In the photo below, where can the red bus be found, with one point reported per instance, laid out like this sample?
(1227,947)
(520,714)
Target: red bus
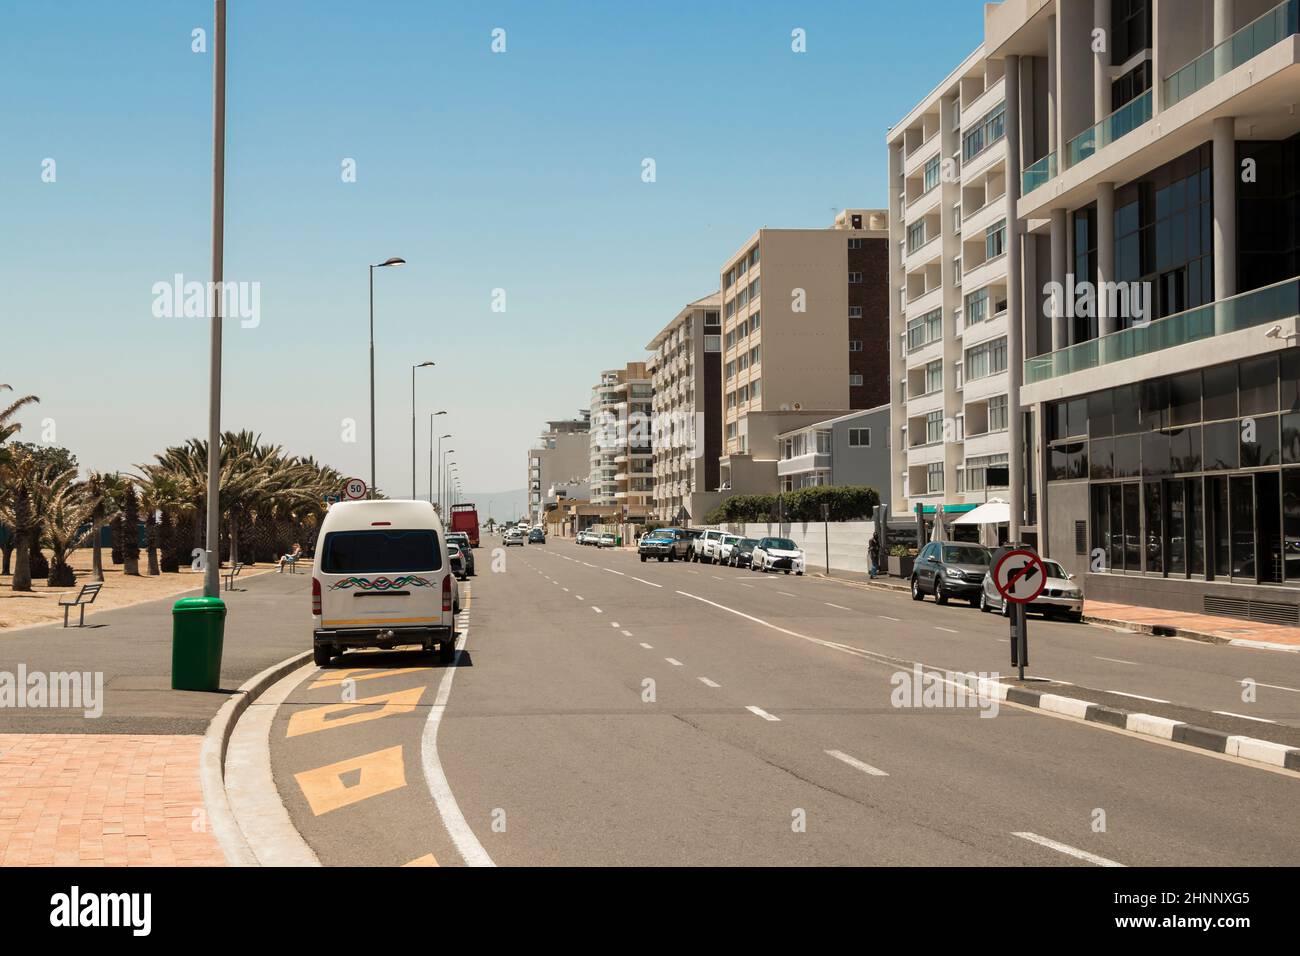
(465,518)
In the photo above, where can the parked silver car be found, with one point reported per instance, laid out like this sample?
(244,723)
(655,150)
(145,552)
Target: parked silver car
(1061,596)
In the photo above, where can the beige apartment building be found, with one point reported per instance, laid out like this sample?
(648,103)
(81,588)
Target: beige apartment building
(820,346)
(559,466)
(685,367)
(1153,288)
(948,172)
(620,447)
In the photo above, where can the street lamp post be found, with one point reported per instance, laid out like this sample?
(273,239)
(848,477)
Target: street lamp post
(432,416)
(212,570)
(392,261)
(413,368)
(442,475)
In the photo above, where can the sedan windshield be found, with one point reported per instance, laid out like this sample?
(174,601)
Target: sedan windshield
(958,554)
(780,544)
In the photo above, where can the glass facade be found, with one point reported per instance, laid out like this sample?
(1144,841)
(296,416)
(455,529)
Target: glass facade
(1196,474)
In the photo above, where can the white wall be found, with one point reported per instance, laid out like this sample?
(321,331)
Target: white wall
(848,540)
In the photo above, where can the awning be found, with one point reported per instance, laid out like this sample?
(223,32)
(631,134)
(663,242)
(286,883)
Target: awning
(993,511)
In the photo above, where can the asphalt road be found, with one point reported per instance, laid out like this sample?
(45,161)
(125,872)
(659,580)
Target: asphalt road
(609,712)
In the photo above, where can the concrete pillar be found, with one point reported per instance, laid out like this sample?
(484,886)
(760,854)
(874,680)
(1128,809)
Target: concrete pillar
(1060,325)
(1106,323)
(1101,62)
(1224,173)
(1053,102)
(1015,307)
(1224,18)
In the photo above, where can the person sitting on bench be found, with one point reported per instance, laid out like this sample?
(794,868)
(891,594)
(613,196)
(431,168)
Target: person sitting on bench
(290,558)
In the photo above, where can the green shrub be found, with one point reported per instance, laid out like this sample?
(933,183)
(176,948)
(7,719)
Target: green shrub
(848,503)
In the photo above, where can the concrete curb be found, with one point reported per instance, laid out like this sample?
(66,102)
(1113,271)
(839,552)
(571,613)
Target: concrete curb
(212,760)
(1217,741)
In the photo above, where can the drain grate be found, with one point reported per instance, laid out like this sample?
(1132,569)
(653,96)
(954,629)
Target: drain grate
(1267,612)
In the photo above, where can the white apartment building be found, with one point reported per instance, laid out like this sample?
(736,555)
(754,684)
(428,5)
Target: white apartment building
(949,167)
(685,367)
(620,449)
(1163,418)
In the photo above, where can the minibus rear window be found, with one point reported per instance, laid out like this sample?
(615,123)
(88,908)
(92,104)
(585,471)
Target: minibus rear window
(389,551)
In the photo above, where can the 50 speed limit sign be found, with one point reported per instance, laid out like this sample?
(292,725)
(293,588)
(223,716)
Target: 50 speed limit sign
(354,489)
(1020,576)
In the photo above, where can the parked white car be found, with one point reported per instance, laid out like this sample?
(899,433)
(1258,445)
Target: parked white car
(514,536)
(383,578)
(777,554)
(726,546)
(705,547)
(1061,596)
(606,540)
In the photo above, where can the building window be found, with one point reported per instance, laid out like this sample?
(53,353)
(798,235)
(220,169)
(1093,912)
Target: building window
(713,343)
(998,413)
(925,329)
(753,322)
(859,437)
(753,256)
(977,306)
(855,380)
(855,345)
(934,427)
(986,132)
(754,388)
(855,243)
(934,376)
(855,278)
(753,290)
(931,175)
(977,472)
(1130,22)
(712,318)
(855,312)
(995,240)
(934,477)
(987,358)
(915,236)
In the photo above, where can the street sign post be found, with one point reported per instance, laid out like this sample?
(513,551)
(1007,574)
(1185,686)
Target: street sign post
(354,489)
(1019,575)
(826,527)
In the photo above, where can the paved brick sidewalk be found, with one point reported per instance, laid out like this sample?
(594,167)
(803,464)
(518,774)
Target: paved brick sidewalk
(1211,626)
(102,800)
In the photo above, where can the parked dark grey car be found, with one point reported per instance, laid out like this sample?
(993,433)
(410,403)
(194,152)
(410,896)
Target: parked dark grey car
(950,569)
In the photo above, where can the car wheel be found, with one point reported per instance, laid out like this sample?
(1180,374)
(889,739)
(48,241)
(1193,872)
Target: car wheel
(321,655)
(643,559)
(787,570)
(799,574)
(1075,617)
(984,603)
(916,590)
(447,652)
(939,596)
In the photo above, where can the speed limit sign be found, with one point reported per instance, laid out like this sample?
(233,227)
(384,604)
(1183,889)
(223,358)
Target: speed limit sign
(354,489)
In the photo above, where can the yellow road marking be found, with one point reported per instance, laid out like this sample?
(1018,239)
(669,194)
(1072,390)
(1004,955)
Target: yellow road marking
(426,860)
(379,772)
(317,718)
(333,678)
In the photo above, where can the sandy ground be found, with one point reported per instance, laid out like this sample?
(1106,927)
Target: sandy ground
(40,605)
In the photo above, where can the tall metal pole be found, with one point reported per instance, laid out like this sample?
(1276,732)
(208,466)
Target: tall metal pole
(212,571)
(372,381)
(431,458)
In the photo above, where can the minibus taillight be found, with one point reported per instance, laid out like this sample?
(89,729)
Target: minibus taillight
(446,594)
(315,596)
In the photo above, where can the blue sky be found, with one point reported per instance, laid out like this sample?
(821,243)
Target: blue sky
(519,171)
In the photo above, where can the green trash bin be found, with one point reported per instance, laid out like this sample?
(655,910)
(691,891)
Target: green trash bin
(198,634)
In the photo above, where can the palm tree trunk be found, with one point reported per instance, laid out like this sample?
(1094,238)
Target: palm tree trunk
(97,554)
(151,539)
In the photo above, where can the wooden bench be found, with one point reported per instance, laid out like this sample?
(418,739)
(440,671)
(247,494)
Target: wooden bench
(232,574)
(85,595)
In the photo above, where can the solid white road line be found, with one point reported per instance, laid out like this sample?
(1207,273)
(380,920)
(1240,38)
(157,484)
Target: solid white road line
(708,683)
(759,711)
(744,585)
(674,661)
(588,564)
(619,573)
(1116,660)
(648,647)
(1228,713)
(786,593)
(948,629)
(1279,687)
(644,581)
(888,618)
(1154,700)
(1067,850)
(457,828)
(839,606)
(855,762)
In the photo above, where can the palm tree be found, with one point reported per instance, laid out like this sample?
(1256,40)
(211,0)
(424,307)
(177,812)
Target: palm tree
(104,489)
(20,513)
(66,522)
(8,428)
(131,530)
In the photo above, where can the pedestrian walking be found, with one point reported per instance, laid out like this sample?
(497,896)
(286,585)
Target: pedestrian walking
(873,556)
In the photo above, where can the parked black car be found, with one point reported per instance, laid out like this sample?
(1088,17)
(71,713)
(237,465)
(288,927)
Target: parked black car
(950,569)
(742,553)
(462,539)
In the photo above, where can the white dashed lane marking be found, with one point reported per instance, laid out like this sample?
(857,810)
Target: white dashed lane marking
(708,683)
(856,763)
(648,647)
(760,712)
(1066,849)
(674,661)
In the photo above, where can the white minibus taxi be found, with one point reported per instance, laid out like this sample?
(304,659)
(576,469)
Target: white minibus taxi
(383,578)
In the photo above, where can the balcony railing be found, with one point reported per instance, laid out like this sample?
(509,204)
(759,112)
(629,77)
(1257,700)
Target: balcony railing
(1254,38)
(1119,123)
(1037,174)
(1270,304)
